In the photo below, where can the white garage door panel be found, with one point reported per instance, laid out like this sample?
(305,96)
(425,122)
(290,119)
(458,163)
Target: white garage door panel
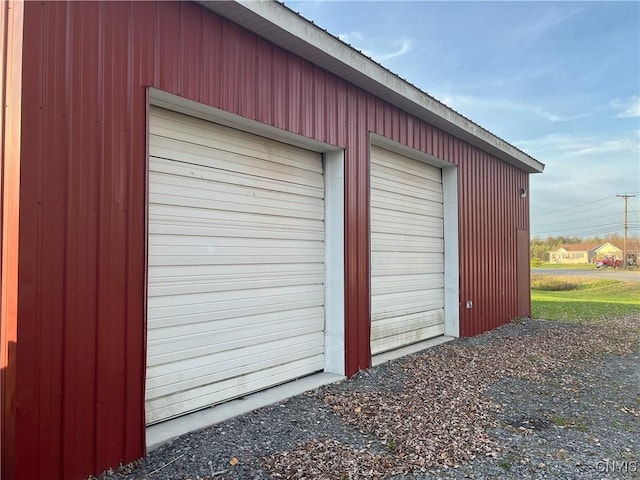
(410,219)
(428,262)
(251,183)
(190,285)
(237,362)
(254,321)
(410,223)
(408,243)
(169,124)
(405,283)
(186,346)
(393,228)
(173,405)
(194,278)
(218,223)
(231,181)
(258,307)
(221,226)
(415,321)
(409,269)
(236,255)
(242,352)
(407,251)
(231,359)
(188,196)
(417,190)
(410,336)
(247,176)
(399,169)
(404,303)
(168,253)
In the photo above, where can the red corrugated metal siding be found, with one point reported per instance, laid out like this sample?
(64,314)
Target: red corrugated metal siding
(82,243)
(11,51)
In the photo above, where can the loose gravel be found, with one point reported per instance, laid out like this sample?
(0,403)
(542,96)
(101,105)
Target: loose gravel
(532,399)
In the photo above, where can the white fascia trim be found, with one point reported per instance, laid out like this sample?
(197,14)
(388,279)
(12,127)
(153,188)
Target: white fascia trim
(291,31)
(334,208)
(450,207)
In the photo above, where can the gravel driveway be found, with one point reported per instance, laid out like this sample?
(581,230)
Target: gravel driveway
(533,399)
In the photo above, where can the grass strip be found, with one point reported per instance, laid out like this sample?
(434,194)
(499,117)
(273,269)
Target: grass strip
(558,298)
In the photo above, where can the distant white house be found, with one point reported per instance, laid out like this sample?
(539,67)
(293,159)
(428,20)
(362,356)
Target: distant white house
(585,253)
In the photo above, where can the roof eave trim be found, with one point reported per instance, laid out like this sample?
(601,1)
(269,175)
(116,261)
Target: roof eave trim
(285,28)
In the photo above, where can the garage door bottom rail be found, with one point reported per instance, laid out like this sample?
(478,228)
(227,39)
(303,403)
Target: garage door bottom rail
(161,433)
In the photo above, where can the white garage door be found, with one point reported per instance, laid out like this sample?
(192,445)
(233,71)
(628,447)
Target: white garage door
(407,251)
(236,264)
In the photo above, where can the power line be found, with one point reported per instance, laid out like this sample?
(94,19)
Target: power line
(591,226)
(612,199)
(588,212)
(552,212)
(601,229)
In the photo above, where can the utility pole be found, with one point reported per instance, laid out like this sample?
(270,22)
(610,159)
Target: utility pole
(626,198)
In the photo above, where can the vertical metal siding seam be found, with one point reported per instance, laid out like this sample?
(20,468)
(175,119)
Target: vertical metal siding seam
(128,211)
(461,242)
(478,222)
(481,258)
(490,241)
(495,243)
(100,120)
(44,349)
(485,272)
(471,240)
(486,206)
(49,262)
(489,238)
(353,140)
(463,238)
(501,245)
(66,424)
(464,214)
(365,212)
(501,248)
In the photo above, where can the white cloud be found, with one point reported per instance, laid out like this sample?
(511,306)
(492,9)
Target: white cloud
(579,169)
(350,38)
(553,118)
(472,103)
(403,47)
(566,147)
(628,107)
(537,27)
(357,40)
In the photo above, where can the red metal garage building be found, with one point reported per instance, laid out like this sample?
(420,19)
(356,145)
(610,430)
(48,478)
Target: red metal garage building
(174,173)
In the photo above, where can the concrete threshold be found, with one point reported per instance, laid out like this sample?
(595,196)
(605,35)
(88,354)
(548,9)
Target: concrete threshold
(384,357)
(163,432)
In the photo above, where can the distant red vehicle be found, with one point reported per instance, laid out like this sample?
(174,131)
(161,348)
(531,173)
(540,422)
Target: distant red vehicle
(609,262)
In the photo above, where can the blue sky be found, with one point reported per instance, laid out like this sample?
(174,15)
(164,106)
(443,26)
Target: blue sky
(560,80)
